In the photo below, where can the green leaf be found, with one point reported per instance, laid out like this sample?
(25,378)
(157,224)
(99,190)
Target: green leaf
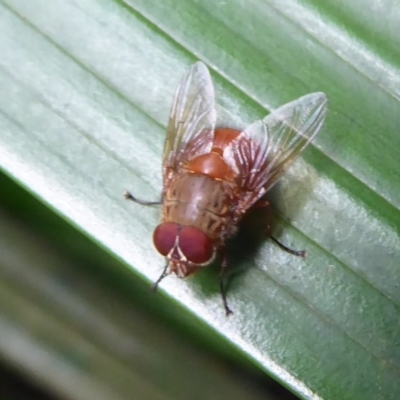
(86,91)
(80,324)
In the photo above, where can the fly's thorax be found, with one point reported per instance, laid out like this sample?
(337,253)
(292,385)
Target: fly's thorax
(198,201)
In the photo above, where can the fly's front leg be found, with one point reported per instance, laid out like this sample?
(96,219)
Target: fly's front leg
(154,287)
(298,253)
(129,196)
(223,283)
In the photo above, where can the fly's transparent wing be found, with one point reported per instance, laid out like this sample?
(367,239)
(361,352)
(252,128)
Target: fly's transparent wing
(266,149)
(192,119)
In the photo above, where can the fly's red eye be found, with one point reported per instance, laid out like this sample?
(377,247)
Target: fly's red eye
(164,237)
(195,245)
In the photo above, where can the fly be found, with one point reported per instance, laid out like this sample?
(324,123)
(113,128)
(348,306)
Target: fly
(213,176)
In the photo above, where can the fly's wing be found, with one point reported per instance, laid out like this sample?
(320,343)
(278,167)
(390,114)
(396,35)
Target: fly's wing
(192,119)
(264,151)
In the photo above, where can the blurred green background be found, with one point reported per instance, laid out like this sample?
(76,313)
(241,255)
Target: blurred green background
(86,88)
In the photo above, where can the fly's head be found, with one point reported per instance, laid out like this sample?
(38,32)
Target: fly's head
(187,249)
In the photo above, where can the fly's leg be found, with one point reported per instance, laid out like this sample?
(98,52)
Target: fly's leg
(298,253)
(129,196)
(162,276)
(223,284)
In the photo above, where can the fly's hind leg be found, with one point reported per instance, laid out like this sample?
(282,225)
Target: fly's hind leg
(129,196)
(298,253)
